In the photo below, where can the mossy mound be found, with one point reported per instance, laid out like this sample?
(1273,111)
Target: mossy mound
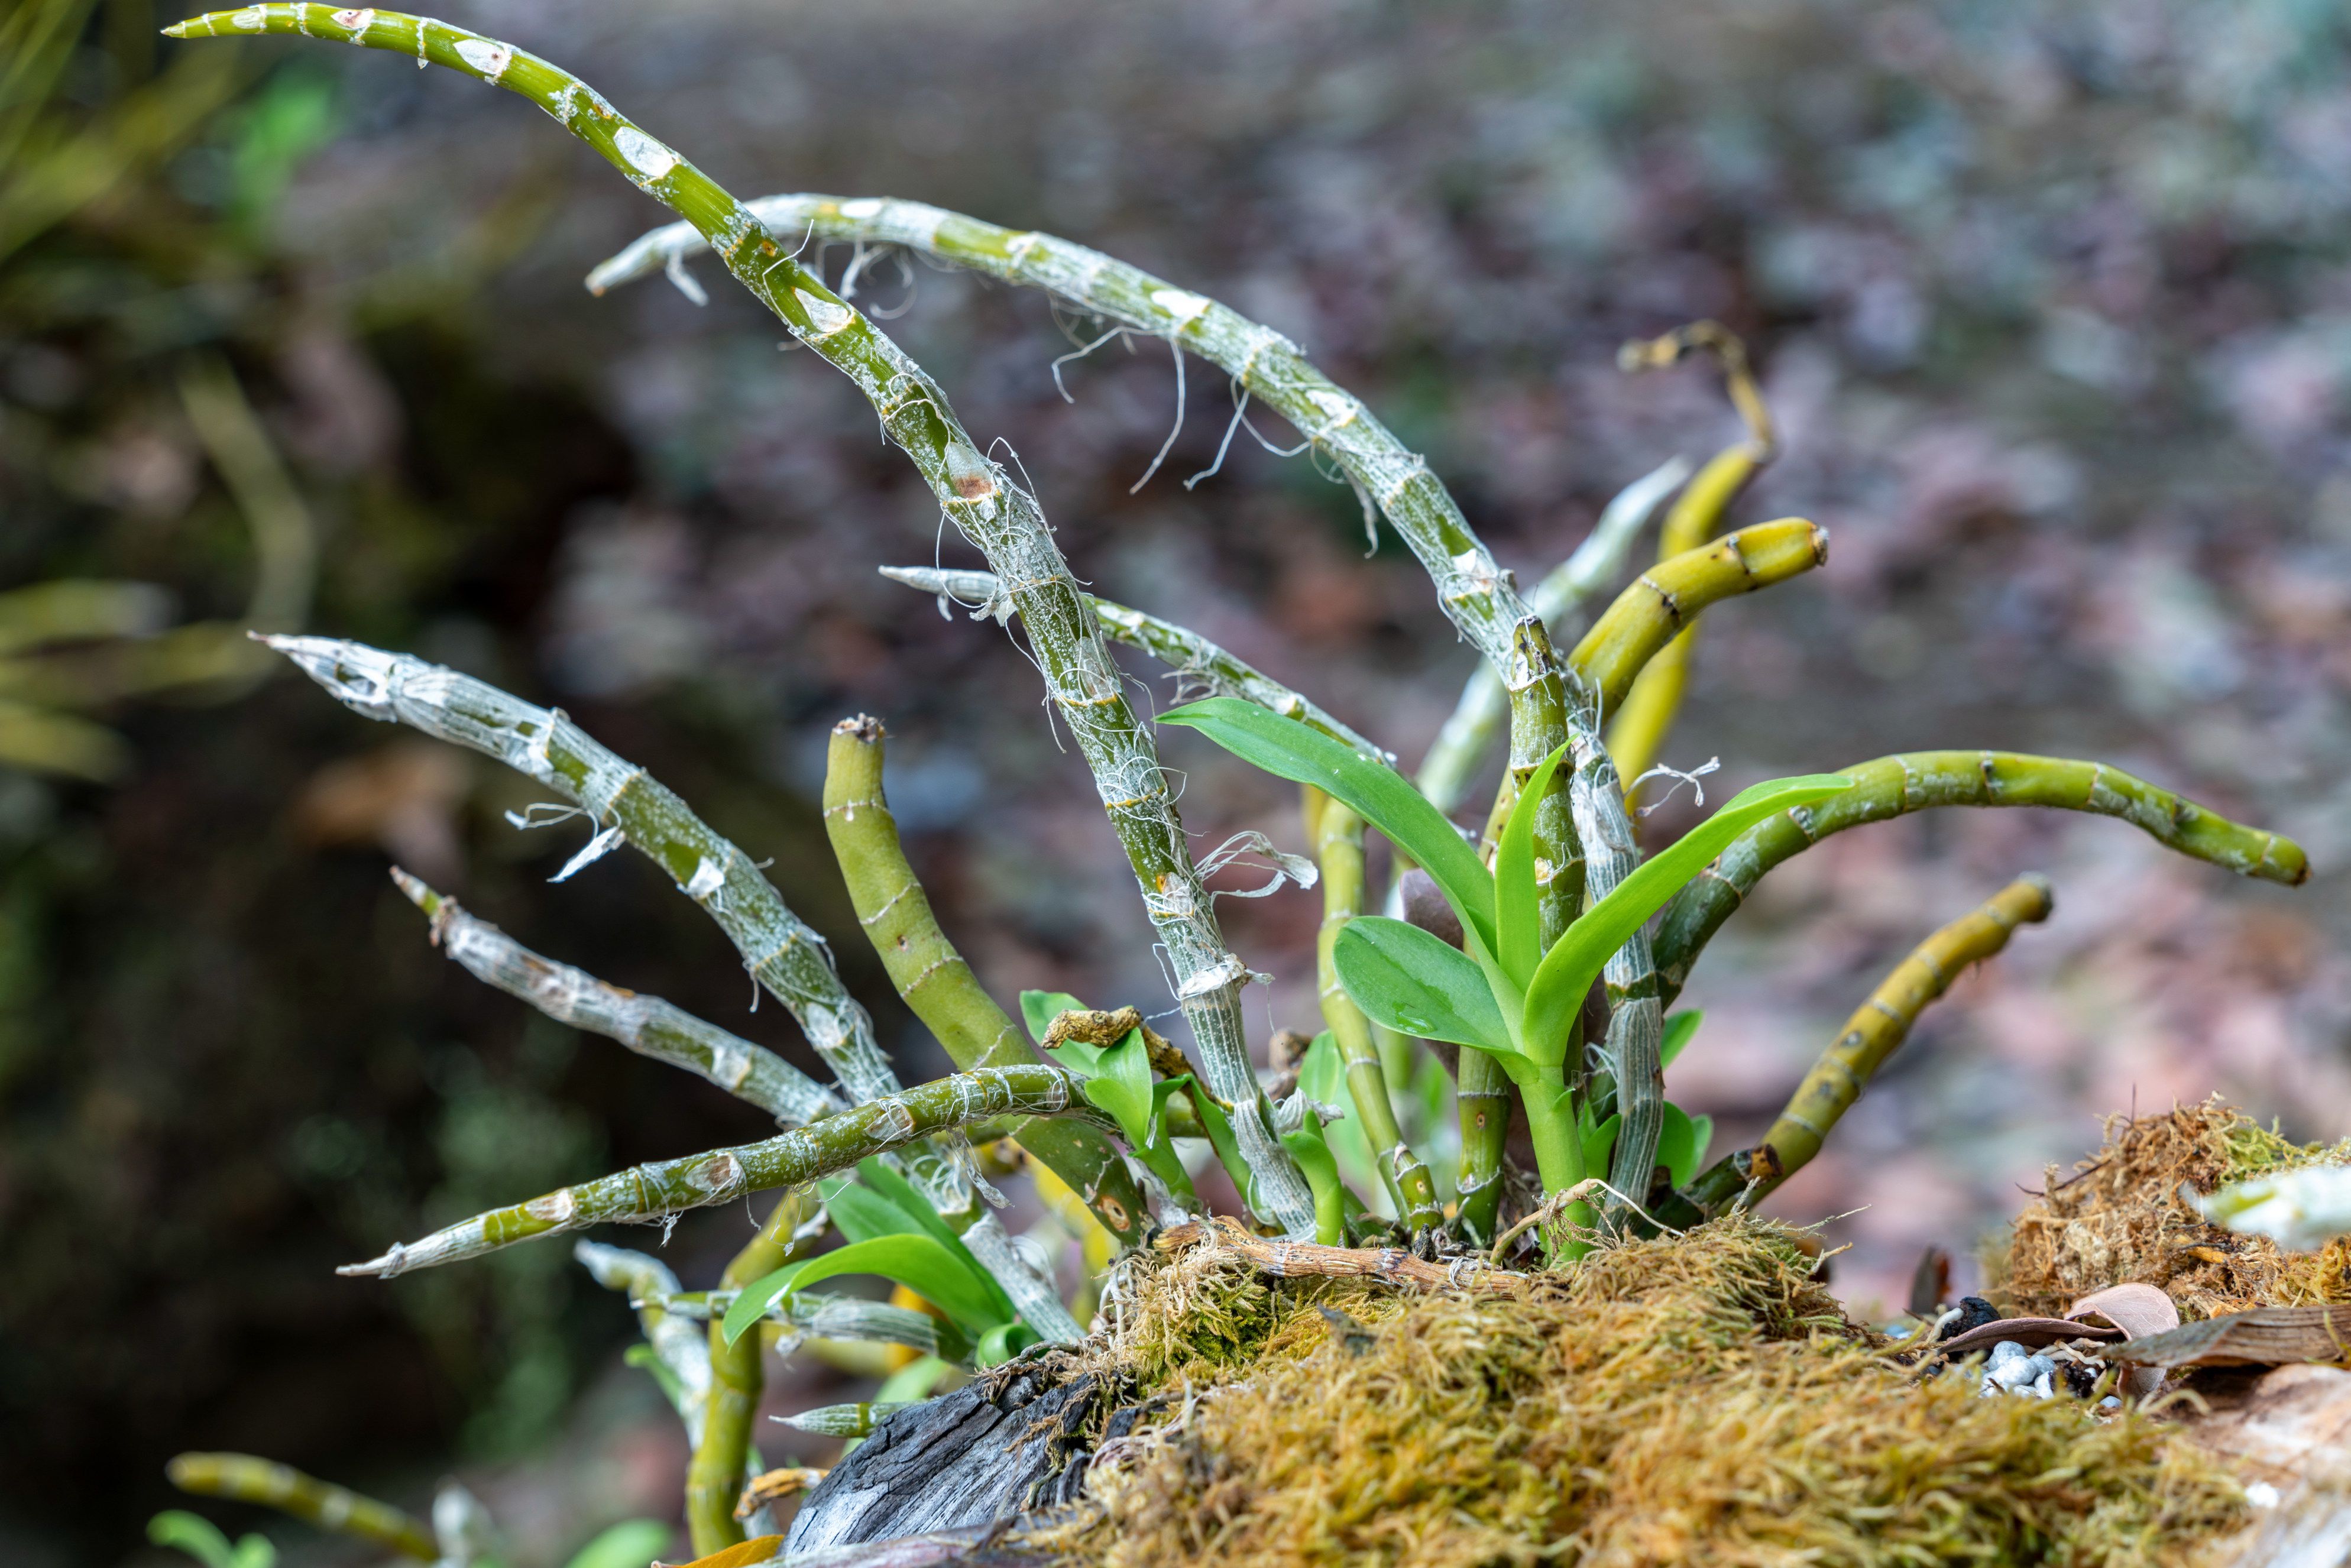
(1699,1399)
(2120,1217)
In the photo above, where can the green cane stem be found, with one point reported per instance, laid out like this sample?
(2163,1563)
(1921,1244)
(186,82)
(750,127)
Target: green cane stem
(935,981)
(646,1025)
(1638,731)
(1475,593)
(1646,616)
(1004,521)
(1872,1034)
(817,1315)
(1338,836)
(1918,781)
(783,953)
(1212,671)
(1484,706)
(715,1478)
(242,1478)
(804,1155)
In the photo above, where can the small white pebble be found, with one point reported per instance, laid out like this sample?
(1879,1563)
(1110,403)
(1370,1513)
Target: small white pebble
(2261,1494)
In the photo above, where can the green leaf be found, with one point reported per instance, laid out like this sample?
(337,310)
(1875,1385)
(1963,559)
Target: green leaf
(1599,1142)
(1518,900)
(862,1213)
(1681,1144)
(918,1262)
(918,1218)
(1380,796)
(1306,1147)
(1219,1126)
(1001,1344)
(1123,1088)
(645,1358)
(1322,1071)
(913,1381)
(632,1543)
(1079,1058)
(1568,969)
(201,1539)
(1417,984)
(1039,1009)
(1678,1029)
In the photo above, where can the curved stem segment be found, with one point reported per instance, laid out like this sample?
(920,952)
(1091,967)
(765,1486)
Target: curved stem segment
(1338,836)
(782,953)
(1004,521)
(715,1478)
(646,1025)
(677,1339)
(1638,730)
(1212,671)
(936,982)
(1472,590)
(1484,705)
(803,1154)
(1918,781)
(245,1479)
(816,1315)
(1646,616)
(1869,1037)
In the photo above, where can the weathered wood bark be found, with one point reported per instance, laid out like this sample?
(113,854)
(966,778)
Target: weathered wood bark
(998,1447)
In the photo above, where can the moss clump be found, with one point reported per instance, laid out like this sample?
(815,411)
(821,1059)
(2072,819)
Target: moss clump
(1700,1399)
(2120,1217)
(1203,1314)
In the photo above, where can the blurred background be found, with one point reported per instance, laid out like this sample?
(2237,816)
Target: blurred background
(2052,302)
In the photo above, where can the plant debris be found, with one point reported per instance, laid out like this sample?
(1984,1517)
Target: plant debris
(2266,1336)
(2121,1217)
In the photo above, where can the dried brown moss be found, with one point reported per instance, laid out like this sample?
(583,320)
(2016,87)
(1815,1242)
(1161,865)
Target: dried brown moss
(2119,1218)
(1699,1400)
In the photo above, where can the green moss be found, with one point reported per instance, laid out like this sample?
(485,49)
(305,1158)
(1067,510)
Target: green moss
(1694,1399)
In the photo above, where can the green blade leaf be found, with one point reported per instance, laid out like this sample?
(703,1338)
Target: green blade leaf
(1417,984)
(861,1214)
(1518,919)
(1001,1344)
(1568,969)
(1678,1029)
(1321,1169)
(1380,796)
(632,1543)
(194,1535)
(1679,1144)
(1219,1126)
(1599,1142)
(1123,1088)
(883,1178)
(647,1359)
(918,1262)
(913,1381)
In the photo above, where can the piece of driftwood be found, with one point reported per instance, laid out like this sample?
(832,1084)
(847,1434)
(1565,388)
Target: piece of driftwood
(2291,1430)
(1000,1446)
(2266,1336)
(973,1546)
(1302,1259)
